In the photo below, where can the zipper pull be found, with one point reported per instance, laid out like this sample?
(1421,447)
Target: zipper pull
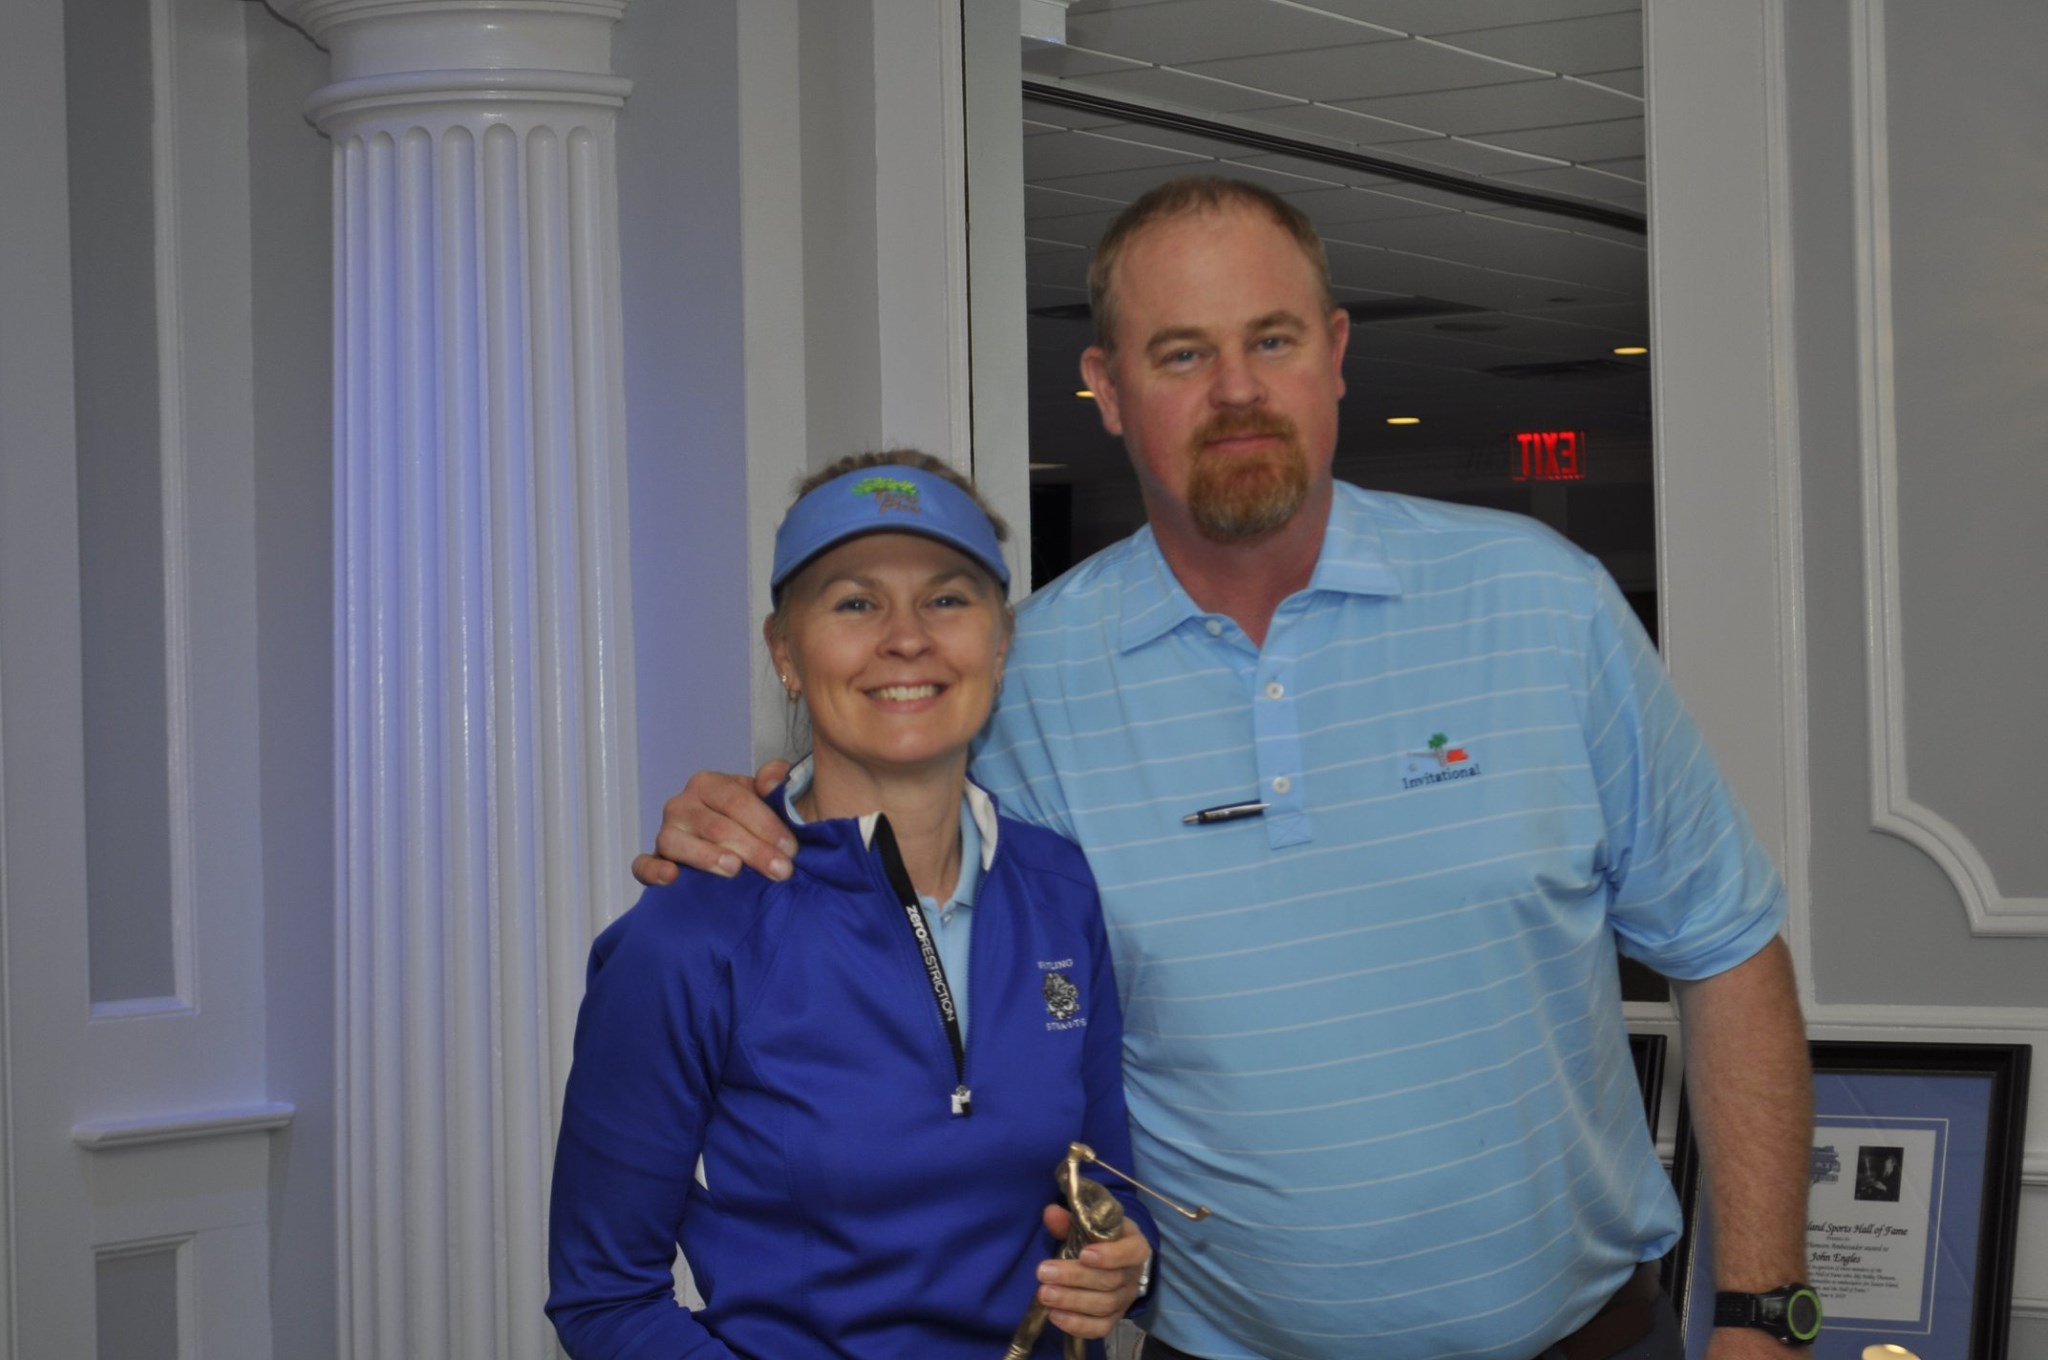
(963,1101)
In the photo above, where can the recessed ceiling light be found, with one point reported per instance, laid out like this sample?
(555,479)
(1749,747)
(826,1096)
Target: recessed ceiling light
(1084,392)
(1404,420)
(1631,349)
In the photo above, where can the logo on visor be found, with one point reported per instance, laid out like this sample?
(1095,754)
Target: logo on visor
(890,493)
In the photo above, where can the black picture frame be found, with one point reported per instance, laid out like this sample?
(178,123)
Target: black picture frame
(1646,1051)
(1929,1138)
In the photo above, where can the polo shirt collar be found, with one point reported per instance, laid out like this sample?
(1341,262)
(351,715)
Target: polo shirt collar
(1353,561)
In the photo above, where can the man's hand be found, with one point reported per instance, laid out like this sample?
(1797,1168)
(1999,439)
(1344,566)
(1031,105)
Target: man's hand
(1086,1297)
(718,823)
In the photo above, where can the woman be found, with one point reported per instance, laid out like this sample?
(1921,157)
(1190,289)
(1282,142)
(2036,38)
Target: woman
(882,1061)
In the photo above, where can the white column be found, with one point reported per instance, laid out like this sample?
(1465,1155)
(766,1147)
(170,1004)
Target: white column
(483,686)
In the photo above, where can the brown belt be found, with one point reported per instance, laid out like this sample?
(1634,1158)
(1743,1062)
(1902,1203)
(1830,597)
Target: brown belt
(1624,1320)
(1621,1322)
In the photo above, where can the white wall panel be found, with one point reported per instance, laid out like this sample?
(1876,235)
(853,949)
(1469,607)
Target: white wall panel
(1954,319)
(193,1043)
(1916,190)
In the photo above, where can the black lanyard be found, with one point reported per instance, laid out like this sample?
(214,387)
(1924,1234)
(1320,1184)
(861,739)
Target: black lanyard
(934,970)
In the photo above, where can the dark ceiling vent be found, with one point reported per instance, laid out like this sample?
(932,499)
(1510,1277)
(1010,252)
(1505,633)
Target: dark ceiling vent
(1567,370)
(1064,311)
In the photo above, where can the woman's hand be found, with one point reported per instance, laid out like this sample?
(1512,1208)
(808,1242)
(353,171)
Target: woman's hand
(1086,1297)
(718,823)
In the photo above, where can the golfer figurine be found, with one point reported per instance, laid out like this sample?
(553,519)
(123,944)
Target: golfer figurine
(1097,1217)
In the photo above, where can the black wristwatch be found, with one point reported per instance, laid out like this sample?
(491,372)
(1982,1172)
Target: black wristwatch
(1791,1312)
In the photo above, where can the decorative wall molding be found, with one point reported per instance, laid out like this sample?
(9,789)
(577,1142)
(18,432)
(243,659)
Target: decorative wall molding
(1894,810)
(107,1135)
(174,468)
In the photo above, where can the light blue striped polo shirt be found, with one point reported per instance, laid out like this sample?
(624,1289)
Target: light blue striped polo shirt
(1379,1029)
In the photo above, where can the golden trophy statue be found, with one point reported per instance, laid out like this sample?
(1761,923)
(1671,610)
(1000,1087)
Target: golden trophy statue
(1097,1218)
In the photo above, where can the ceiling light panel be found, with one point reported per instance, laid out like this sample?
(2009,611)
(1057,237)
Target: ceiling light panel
(1331,209)
(1465,156)
(1628,80)
(1172,86)
(1579,142)
(1072,154)
(1434,16)
(1338,125)
(1183,32)
(1335,74)
(1503,108)
(1604,42)
(1582,182)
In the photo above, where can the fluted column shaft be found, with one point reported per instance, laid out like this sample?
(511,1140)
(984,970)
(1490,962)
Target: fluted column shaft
(483,685)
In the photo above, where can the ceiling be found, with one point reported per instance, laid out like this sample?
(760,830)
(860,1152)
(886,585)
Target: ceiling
(1481,318)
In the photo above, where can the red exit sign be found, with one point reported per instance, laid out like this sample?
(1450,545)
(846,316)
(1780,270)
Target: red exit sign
(1551,456)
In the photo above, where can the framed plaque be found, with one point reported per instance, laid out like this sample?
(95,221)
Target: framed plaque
(1912,1205)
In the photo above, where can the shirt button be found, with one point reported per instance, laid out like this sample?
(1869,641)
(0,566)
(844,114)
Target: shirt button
(1214,627)
(1281,783)
(1274,689)
(945,918)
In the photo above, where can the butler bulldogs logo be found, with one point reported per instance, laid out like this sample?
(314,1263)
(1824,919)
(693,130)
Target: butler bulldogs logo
(1062,997)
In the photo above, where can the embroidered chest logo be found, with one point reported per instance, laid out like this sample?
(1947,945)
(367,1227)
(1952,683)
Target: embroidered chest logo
(1062,995)
(1442,762)
(890,493)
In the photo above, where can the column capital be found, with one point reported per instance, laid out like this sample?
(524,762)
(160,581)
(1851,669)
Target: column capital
(393,54)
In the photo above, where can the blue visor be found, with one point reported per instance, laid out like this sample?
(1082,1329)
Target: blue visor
(889,499)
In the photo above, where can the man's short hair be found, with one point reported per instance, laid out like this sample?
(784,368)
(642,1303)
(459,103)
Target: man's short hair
(1184,197)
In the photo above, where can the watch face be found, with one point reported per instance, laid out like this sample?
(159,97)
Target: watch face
(1802,1315)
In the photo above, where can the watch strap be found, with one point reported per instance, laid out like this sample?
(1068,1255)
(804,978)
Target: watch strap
(1791,1312)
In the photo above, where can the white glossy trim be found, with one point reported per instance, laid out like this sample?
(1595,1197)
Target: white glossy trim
(385,93)
(1721,518)
(1796,853)
(173,472)
(1894,810)
(959,334)
(1000,373)
(106,1135)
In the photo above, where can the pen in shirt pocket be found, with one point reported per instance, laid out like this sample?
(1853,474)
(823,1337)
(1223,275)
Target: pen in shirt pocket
(1227,812)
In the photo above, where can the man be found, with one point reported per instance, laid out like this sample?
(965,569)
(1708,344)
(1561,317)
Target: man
(1372,788)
